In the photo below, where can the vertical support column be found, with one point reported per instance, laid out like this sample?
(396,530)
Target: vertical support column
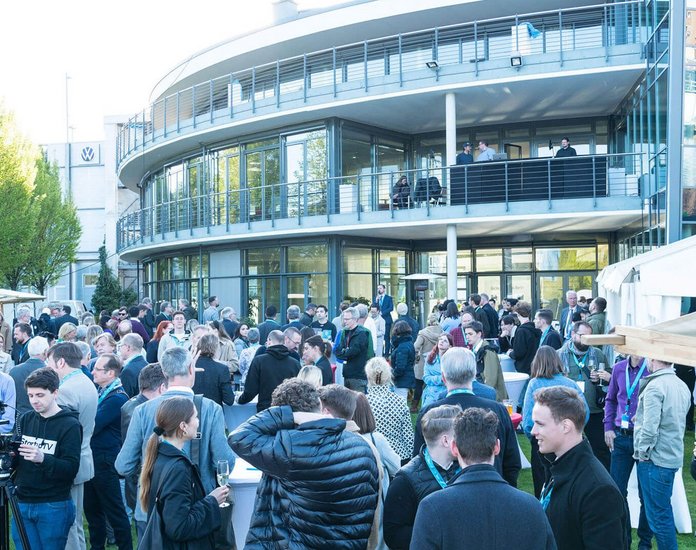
(452,261)
(450,128)
(677,20)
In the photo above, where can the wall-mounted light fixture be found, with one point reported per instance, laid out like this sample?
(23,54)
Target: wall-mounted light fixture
(434,65)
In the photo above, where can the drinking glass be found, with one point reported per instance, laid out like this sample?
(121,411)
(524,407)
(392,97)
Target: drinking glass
(223,476)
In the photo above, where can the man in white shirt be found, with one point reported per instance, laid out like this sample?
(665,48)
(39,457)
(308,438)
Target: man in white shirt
(485,153)
(380,325)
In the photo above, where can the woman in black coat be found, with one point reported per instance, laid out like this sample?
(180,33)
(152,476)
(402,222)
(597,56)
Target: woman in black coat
(403,358)
(189,517)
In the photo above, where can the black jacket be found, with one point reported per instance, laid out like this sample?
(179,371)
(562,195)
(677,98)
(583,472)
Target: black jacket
(352,348)
(524,346)
(265,329)
(266,372)
(189,516)
(479,510)
(482,317)
(149,322)
(326,371)
(60,438)
(129,375)
(415,327)
(586,509)
(19,374)
(493,320)
(106,437)
(410,485)
(214,381)
(553,339)
(320,482)
(508,461)
(403,357)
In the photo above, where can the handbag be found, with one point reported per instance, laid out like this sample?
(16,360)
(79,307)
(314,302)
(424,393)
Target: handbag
(152,536)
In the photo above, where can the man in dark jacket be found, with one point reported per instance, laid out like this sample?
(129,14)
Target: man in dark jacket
(213,378)
(478,509)
(402,311)
(308,315)
(36,349)
(267,371)
(491,315)
(22,336)
(429,471)
(458,372)
(64,318)
(290,443)
(268,324)
(130,352)
(479,313)
(148,319)
(103,492)
(549,336)
(526,341)
(583,504)
(352,348)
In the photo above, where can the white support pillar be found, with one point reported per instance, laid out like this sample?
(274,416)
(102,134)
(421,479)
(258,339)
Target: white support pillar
(452,261)
(450,129)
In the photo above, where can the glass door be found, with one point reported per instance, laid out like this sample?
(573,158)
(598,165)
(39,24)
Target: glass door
(552,289)
(262,182)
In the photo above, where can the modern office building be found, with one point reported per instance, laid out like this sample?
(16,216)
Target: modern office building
(266,164)
(88,174)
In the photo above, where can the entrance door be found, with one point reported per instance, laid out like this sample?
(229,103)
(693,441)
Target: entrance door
(262,182)
(552,289)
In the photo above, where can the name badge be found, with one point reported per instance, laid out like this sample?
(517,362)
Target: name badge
(625,422)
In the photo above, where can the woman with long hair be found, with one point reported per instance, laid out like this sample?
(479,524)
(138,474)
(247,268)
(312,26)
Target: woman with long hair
(425,341)
(165,327)
(227,353)
(67,332)
(451,318)
(170,481)
(241,340)
(432,374)
(547,370)
(314,352)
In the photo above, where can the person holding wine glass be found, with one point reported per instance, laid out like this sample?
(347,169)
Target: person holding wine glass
(170,481)
(223,475)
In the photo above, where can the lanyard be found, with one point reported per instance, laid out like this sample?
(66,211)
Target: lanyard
(433,470)
(460,390)
(632,387)
(69,376)
(580,364)
(543,336)
(106,391)
(546,495)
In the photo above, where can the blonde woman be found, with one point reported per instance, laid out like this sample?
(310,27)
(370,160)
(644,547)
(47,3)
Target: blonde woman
(312,375)
(392,416)
(67,332)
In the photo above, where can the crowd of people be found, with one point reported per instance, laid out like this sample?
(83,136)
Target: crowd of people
(370,431)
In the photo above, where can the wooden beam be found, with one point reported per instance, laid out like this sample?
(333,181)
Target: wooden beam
(603,339)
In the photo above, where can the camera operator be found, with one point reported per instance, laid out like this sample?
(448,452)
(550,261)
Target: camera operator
(49,457)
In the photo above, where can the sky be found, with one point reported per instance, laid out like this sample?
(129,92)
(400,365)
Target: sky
(113,52)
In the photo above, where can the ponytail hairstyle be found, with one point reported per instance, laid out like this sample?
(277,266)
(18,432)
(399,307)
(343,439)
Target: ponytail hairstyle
(317,341)
(170,414)
(378,372)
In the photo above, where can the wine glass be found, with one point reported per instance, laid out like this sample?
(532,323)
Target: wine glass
(223,475)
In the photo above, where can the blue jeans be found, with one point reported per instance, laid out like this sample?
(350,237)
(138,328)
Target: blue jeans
(622,462)
(47,524)
(657,483)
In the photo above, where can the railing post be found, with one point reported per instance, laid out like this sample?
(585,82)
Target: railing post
(357,200)
(560,35)
(476,56)
(304,77)
(253,90)
(401,67)
(548,170)
(277,85)
(193,104)
(299,201)
(152,119)
(594,182)
(466,189)
(605,28)
(507,190)
(365,63)
(391,187)
(164,118)
(211,101)
(436,48)
(333,70)
(231,98)
(178,117)
(517,33)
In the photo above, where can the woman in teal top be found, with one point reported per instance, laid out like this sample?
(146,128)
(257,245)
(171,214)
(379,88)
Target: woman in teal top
(432,375)
(547,370)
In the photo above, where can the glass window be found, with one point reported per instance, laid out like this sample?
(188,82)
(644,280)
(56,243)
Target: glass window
(490,284)
(357,286)
(553,259)
(517,259)
(489,259)
(357,259)
(309,258)
(392,261)
(602,256)
(520,287)
(263,260)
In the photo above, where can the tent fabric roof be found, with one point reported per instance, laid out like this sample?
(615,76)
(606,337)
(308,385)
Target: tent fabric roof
(15,297)
(659,261)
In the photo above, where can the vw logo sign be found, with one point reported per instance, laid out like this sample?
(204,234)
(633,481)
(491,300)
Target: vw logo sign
(87,154)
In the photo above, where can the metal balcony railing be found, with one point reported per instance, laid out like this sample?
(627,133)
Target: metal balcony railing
(358,196)
(397,60)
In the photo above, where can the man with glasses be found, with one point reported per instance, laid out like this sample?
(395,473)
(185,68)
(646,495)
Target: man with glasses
(267,371)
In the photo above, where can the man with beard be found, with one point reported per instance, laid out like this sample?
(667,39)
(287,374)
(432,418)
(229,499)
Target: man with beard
(579,361)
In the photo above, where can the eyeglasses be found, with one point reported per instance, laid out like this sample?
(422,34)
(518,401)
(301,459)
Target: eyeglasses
(100,370)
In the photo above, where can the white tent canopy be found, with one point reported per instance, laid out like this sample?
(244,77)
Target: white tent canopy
(15,297)
(648,288)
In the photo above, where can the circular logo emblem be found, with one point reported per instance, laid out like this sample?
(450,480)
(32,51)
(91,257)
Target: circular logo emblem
(87,154)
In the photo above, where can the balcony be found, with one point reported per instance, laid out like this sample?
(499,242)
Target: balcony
(572,39)
(542,189)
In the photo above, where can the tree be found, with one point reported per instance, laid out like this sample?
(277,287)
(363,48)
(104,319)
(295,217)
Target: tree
(107,294)
(17,172)
(57,229)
